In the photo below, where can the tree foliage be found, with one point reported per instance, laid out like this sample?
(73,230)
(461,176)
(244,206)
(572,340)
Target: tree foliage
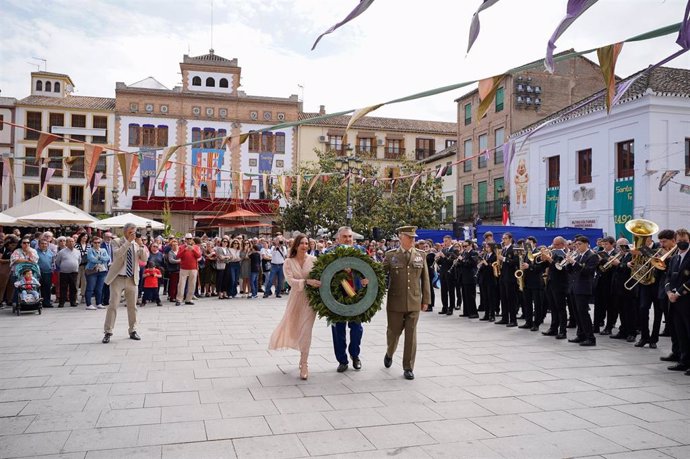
(384,205)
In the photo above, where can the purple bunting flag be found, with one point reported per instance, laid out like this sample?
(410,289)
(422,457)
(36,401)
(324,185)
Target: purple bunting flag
(574,10)
(359,9)
(474,27)
(684,32)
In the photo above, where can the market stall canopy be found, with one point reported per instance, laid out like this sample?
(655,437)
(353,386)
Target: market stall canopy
(119,221)
(58,217)
(244,225)
(7,220)
(235,214)
(41,204)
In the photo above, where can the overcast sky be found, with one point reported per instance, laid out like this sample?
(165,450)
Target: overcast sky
(396,48)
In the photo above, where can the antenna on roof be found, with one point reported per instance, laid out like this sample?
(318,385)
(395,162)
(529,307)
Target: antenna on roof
(45,63)
(211,25)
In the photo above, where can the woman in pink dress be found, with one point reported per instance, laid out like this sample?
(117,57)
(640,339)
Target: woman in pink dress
(294,330)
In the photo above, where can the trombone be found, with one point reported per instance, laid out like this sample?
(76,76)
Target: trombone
(646,270)
(643,269)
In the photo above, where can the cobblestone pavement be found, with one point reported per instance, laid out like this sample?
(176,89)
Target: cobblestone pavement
(201,384)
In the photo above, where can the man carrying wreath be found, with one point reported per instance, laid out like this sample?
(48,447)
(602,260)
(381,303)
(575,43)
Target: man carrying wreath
(408,293)
(345,237)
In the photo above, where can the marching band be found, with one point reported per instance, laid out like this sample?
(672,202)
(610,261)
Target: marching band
(623,281)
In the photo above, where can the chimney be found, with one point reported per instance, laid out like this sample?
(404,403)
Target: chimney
(322,109)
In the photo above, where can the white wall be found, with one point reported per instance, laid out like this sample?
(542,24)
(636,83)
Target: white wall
(658,126)
(216,76)
(6,129)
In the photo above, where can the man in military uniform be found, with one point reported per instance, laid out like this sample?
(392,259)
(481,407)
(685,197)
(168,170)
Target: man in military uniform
(408,294)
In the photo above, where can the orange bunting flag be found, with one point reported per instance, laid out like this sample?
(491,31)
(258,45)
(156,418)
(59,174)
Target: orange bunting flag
(487,94)
(91,155)
(164,160)
(299,185)
(288,186)
(44,140)
(246,187)
(133,166)
(124,169)
(46,174)
(608,55)
(312,182)
(212,190)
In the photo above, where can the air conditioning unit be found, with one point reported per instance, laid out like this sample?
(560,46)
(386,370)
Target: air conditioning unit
(379,142)
(537,101)
(322,139)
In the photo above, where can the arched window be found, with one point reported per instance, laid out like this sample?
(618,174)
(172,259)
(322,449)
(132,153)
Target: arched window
(48,88)
(223,83)
(39,85)
(210,82)
(56,87)
(196,81)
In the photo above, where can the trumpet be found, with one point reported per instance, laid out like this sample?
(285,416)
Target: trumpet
(609,264)
(569,259)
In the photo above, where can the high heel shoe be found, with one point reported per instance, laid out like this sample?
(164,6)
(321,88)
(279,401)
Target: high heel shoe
(303,371)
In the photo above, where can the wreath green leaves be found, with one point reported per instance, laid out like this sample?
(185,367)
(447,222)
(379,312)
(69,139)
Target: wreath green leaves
(337,293)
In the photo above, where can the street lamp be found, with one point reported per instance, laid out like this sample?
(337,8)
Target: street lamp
(347,165)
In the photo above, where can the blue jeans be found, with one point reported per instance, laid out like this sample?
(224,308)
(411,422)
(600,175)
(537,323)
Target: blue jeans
(234,270)
(340,340)
(94,285)
(254,281)
(276,270)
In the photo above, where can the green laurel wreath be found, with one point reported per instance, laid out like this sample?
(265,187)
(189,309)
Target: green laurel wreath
(315,300)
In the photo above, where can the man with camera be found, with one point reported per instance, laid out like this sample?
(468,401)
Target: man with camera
(124,276)
(277,254)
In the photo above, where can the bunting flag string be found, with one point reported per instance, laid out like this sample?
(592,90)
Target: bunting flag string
(574,9)
(164,160)
(44,139)
(474,26)
(150,187)
(95,180)
(91,155)
(359,9)
(46,174)
(313,180)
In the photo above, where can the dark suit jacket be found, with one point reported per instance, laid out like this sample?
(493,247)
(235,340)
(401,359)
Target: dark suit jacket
(582,273)
(621,274)
(468,267)
(446,262)
(509,265)
(678,278)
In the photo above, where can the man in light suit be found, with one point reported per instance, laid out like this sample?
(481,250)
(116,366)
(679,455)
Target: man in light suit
(408,294)
(124,275)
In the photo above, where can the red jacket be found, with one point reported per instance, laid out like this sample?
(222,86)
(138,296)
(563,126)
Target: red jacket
(189,257)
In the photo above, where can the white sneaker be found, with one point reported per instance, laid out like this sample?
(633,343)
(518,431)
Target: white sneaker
(100,306)
(91,307)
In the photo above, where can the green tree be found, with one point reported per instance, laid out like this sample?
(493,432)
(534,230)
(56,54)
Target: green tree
(383,206)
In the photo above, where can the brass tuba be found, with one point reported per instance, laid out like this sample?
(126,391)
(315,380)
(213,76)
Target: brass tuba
(642,267)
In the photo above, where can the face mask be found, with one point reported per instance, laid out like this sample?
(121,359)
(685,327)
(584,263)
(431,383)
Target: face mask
(683,245)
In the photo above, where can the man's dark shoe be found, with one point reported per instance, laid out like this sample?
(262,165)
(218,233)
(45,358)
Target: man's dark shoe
(669,358)
(511,324)
(631,339)
(61,305)
(106,338)
(687,373)
(550,332)
(526,325)
(679,367)
(189,302)
(177,303)
(135,336)
(588,342)
(387,361)
(408,374)
(641,343)
(605,331)
(449,313)
(342,367)
(279,296)
(442,311)
(356,363)
(561,336)
(534,328)
(473,316)
(485,318)
(48,306)
(577,339)
(618,336)
(652,345)
(266,296)
(501,322)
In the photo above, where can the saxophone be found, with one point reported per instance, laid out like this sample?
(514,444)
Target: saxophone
(520,274)
(496,265)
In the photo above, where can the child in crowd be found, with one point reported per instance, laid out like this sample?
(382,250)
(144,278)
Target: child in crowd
(29,288)
(151,276)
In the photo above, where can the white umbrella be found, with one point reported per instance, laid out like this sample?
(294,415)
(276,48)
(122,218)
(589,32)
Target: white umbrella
(119,221)
(56,218)
(7,219)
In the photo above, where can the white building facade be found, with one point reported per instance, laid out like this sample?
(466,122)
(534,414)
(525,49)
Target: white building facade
(592,170)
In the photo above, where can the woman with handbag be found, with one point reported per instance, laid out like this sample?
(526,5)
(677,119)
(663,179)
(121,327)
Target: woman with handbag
(233,267)
(97,260)
(173,269)
(82,245)
(245,268)
(222,257)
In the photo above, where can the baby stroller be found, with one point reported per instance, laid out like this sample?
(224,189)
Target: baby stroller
(28,296)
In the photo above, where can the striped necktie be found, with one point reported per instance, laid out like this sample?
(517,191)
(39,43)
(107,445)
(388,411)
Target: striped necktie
(130,263)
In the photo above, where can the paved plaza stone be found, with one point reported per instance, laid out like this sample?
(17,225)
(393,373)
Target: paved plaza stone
(202,384)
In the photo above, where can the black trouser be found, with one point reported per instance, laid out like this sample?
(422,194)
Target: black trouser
(458,291)
(682,323)
(572,314)
(602,300)
(469,297)
(488,291)
(670,313)
(626,303)
(68,281)
(431,289)
(448,291)
(533,315)
(612,312)
(221,284)
(556,296)
(648,297)
(584,321)
(508,299)
(45,287)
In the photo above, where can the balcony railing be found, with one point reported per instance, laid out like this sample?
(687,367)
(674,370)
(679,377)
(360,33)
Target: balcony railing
(421,153)
(487,210)
(394,153)
(366,152)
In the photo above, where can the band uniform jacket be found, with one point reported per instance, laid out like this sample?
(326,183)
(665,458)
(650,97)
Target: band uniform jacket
(678,278)
(606,276)
(509,265)
(533,274)
(468,267)
(120,249)
(409,281)
(582,273)
(485,273)
(621,273)
(556,278)
(445,263)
